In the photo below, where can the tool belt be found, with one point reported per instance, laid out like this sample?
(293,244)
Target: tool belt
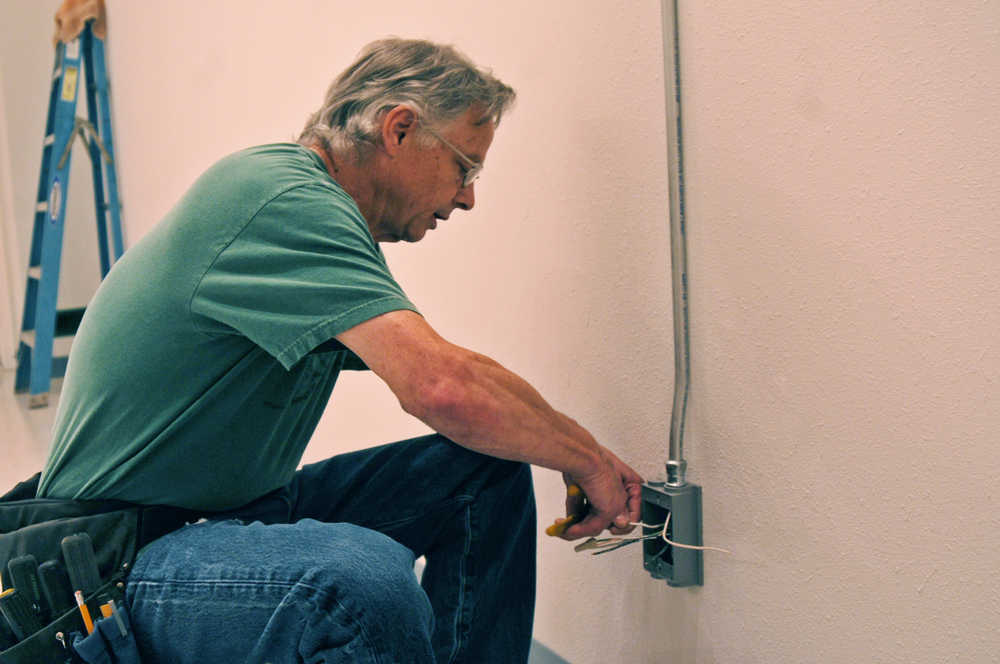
(117,531)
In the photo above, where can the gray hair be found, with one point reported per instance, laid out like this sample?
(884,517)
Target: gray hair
(437,81)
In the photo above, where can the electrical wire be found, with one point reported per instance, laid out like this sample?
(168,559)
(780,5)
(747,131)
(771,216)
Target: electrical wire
(608,544)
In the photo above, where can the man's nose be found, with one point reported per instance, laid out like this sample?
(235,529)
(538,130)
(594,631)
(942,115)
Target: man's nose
(466,197)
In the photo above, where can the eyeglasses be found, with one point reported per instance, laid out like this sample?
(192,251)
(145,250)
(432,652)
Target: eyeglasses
(473,168)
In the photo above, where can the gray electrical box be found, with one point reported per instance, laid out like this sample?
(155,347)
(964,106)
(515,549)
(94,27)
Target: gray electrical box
(679,566)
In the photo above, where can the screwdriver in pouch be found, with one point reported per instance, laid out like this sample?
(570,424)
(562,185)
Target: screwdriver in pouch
(78,552)
(56,587)
(18,614)
(23,572)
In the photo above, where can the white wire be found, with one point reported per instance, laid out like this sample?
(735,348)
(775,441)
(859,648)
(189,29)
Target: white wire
(610,542)
(689,546)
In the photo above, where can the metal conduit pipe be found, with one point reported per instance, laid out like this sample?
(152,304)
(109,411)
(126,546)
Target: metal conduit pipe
(676,465)
(675,504)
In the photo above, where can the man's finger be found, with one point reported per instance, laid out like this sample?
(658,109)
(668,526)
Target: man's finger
(559,527)
(621,531)
(592,525)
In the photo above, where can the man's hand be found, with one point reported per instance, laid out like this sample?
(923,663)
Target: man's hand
(613,495)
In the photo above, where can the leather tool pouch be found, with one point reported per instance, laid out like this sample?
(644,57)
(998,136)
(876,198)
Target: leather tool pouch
(36,526)
(53,643)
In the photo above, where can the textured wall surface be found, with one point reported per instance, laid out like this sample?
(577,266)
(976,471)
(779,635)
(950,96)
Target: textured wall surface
(844,254)
(845,259)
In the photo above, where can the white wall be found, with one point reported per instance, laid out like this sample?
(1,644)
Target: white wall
(843,263)
(8,238)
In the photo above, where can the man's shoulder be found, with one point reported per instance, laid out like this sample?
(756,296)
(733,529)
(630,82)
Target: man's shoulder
(280,174)
(274,166)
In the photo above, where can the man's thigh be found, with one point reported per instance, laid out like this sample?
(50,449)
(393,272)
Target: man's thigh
(224,591)
(410,490)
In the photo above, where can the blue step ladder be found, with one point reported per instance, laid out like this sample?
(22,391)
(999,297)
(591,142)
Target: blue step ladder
(42,321)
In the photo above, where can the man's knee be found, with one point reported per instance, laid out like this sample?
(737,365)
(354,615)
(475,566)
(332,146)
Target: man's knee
(370,577)
(517,481)
(358,568)
(310,586)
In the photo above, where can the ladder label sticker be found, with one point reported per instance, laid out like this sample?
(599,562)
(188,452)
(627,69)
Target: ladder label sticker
(73,49)
(69,83)
(55,196)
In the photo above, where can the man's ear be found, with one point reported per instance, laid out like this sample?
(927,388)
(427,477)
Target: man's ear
(397,126)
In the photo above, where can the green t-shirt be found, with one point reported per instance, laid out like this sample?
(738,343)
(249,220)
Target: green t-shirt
(198,373)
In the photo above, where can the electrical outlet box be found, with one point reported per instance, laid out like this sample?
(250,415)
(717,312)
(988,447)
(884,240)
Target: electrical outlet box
(679,566)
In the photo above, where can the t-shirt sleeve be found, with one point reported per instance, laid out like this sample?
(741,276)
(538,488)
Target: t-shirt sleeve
(304,269)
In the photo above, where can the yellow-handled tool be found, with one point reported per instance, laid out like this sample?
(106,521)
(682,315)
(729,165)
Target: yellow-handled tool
(560,525)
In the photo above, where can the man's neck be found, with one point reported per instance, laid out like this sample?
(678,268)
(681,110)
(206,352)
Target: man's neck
(357,178)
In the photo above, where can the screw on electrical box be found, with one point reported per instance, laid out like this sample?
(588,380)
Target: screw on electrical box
(682,505)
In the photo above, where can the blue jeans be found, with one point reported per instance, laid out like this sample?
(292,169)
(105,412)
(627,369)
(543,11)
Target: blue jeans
(322,569)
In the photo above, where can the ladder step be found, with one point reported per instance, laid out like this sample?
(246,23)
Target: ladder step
(35,273)
(67,323)
(42,207)
(41,400)
(61,348)
(59,363)
(49,140)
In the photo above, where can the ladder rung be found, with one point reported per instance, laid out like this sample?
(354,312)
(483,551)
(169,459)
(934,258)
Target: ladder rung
(43,206)
(35,272)
(49,140)
(68,321)
(56,73)
(60,343)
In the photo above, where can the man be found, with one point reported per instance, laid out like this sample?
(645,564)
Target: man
(207,357)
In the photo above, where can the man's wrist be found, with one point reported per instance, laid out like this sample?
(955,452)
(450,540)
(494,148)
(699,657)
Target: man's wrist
(588,465)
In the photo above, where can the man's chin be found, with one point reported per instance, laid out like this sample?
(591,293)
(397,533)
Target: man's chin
(415,236)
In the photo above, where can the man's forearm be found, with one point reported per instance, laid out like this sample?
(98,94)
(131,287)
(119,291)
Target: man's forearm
(481,405)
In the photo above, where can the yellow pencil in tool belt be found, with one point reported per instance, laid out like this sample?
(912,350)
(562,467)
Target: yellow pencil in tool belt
(84,611)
